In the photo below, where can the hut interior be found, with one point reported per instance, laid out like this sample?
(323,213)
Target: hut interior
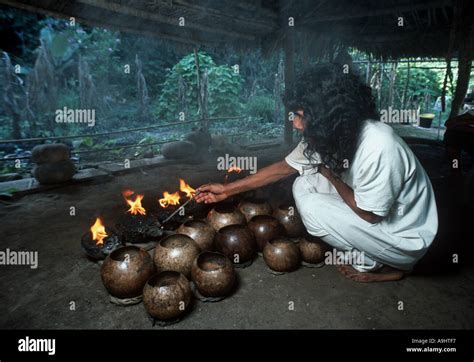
(51,219)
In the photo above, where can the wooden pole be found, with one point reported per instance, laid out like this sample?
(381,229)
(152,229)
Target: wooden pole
(465,33)
(379,93)
(462,83)
(367,73)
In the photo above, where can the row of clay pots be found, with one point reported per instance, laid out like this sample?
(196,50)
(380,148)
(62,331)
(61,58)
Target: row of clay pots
(284,255)
(240,243)
(129,272)
(226,214)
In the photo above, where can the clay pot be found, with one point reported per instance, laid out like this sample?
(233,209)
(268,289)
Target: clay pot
(289,218)
(237,243)
(213,274)
(223,215)
(200,231)
(167,295)
(265,228)
(312,250)
(282,255)
(176,253)
(126,270)
(254,207)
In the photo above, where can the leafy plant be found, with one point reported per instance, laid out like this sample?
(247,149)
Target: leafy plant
(262,106)
(224,87)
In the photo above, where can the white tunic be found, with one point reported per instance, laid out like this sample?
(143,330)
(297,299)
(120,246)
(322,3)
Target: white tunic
(389,181)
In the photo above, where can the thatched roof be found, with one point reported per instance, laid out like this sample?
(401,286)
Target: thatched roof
(431,28)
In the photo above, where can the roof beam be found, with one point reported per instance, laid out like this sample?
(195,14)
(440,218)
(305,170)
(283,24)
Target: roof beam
(126,10)
(365,13)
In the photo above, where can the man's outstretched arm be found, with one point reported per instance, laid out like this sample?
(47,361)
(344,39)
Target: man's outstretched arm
(215,192)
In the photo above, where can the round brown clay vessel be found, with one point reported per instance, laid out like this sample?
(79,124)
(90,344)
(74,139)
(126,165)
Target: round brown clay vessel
(282,255)
(126,270)
(223,215)
(265,228)
(237,243)
(176,253)
(167,295)
(290,219)
(312,251)
(213,274)
(254,207)
(200,231)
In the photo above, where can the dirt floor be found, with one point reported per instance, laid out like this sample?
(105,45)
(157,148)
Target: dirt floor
(439,295)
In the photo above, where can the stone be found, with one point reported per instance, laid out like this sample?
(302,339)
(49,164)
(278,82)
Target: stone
(50,153)
(54,173)
(178,149)
(200,137)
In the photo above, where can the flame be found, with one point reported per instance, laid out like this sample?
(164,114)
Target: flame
(234,169)
(135,206)
(98,232)
(169,199)
(184,187)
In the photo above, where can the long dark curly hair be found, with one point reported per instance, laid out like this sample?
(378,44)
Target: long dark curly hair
(335,106)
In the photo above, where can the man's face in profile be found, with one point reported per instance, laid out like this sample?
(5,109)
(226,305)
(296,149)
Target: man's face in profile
(298,120)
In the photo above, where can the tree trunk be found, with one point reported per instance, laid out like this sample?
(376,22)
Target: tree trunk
(16,130)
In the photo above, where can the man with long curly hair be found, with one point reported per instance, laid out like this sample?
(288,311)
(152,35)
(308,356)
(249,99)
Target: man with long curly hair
(360,187)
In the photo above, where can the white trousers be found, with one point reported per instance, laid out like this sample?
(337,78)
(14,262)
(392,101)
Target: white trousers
(328,217)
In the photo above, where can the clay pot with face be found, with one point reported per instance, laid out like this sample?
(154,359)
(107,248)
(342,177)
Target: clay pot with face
(126,270)
(254,207)
(312,250)
(213,274)
(290,219)
(265,228)
(237,243)
(176,253)
(282,255)
(167,295)
(200,231)
(224,215)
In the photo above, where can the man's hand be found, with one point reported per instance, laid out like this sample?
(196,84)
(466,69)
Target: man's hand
(211,193)
(325,171)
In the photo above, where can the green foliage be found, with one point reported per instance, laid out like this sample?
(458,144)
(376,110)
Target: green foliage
(224,87)
(422,82)
(262,106)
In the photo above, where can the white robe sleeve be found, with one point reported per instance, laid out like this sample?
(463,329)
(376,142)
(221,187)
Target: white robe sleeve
(379,181)
(300,162)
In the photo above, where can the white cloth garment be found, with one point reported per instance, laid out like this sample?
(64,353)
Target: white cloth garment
(389,181)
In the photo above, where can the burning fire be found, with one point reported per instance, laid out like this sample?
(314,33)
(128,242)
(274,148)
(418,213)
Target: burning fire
(169,199)
(184,187)
(98,232)
(234,169)
(136,205)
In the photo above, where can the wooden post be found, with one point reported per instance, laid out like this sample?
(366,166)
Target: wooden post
(288,34)
(405,89)
(465,33)
(462,83)
(379,93)
(367,73)
(391,88)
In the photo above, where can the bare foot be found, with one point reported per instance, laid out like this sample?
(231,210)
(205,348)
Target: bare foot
(385,274)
